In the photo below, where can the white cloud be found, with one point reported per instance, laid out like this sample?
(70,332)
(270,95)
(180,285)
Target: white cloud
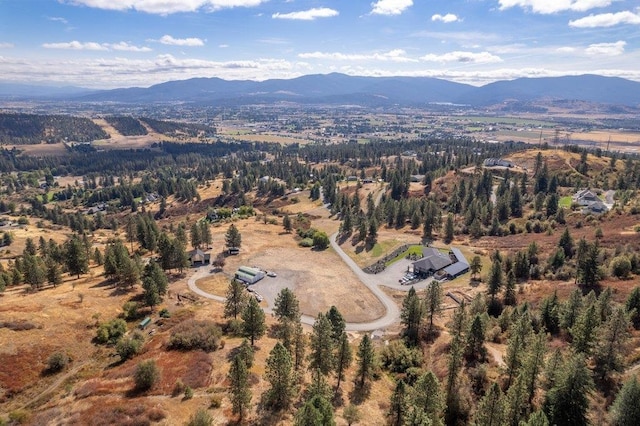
(390,7)
(223,46)
(606,20)
(447,19)
(396,55)
(606,49)
(166,7)
(4,45)
(58,19)
(307,15)
(76,45)
(554,6)
(467,57)
(566,49)
(191,41)
(124,46)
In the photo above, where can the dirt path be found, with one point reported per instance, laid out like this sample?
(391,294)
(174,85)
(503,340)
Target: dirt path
(55,385)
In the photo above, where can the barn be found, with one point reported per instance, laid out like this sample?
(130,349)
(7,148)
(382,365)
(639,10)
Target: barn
(249,275)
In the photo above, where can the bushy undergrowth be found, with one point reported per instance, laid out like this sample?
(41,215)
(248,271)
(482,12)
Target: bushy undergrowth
(193,334)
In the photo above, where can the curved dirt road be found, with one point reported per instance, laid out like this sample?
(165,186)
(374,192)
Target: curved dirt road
(391,316)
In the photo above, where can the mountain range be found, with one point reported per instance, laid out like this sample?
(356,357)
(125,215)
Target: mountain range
(341,89)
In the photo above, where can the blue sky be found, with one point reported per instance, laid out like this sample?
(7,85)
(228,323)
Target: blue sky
(124,43)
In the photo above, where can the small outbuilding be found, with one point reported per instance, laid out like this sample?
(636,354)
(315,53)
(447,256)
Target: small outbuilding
(249,275)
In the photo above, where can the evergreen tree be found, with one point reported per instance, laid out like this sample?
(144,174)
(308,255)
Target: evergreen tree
(196,237)
(474,347)
(236,299)
(515,347)
(533,364)
(449,229)
(433,303)
(571,309)
(299,346)
(351,414)
(343,358)
(398,406)
(538,418)
(427,396)
(286,223)
(588,273)
(246,353)
(567,402)
(491,408)
(76,257)
(566,243)
(366,361)
(494,282)
(633,306)
(510,298)
(239,387)
(317,411)
(321,355)
(550,313)
(411,316)
(232,237)
(625,409)
(609,351)
(338,323)
(253,317)
(584,331)
(456,350)
(279,374)
(286,306)
(475,267)
(53,273)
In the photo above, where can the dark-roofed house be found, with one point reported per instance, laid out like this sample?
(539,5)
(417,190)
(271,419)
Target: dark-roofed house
(459,267)
(432,261)
(198,257)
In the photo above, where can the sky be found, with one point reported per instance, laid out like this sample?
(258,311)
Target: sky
(106,44)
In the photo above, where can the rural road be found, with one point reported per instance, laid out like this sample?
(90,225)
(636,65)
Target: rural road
(391,316)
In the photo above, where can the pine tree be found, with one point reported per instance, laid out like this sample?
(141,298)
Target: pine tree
(322,356)
(515,402)
(279,374)
(398,406)
(625,409)
(286,223)
(491,408)
(253,317)
(343,358)
(196,237)
(538,418)
(239,387)
(53,273)
(584,331)
(286,305)
(515,347)
(366,361)
(338,323)
(351,414)
(299,346)
(236,299)
(232,237)
(633,306)
(456,350)
(567,402)
(316,411)
(34,270)
(609,352)
(449,229)
(566,243)
(433,303)
(494,282)
(571,309)
(76,257)
(411,316)
(475,267)
(427,396)
(474,346)
(533,364)
(510,298)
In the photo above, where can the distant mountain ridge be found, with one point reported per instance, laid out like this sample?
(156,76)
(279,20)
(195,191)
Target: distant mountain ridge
(340,89)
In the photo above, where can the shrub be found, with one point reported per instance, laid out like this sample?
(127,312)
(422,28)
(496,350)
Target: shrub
(188,392)
(111,332)
(57,362)
(130,311)
(23,220)
(128,348)
(620,267)
(200,418)
(164,313)
(216,402)
(307,242)
(397,358)
(193,334)
(146,375)
(178,388)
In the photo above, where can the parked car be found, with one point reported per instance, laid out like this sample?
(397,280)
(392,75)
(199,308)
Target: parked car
(272,274)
